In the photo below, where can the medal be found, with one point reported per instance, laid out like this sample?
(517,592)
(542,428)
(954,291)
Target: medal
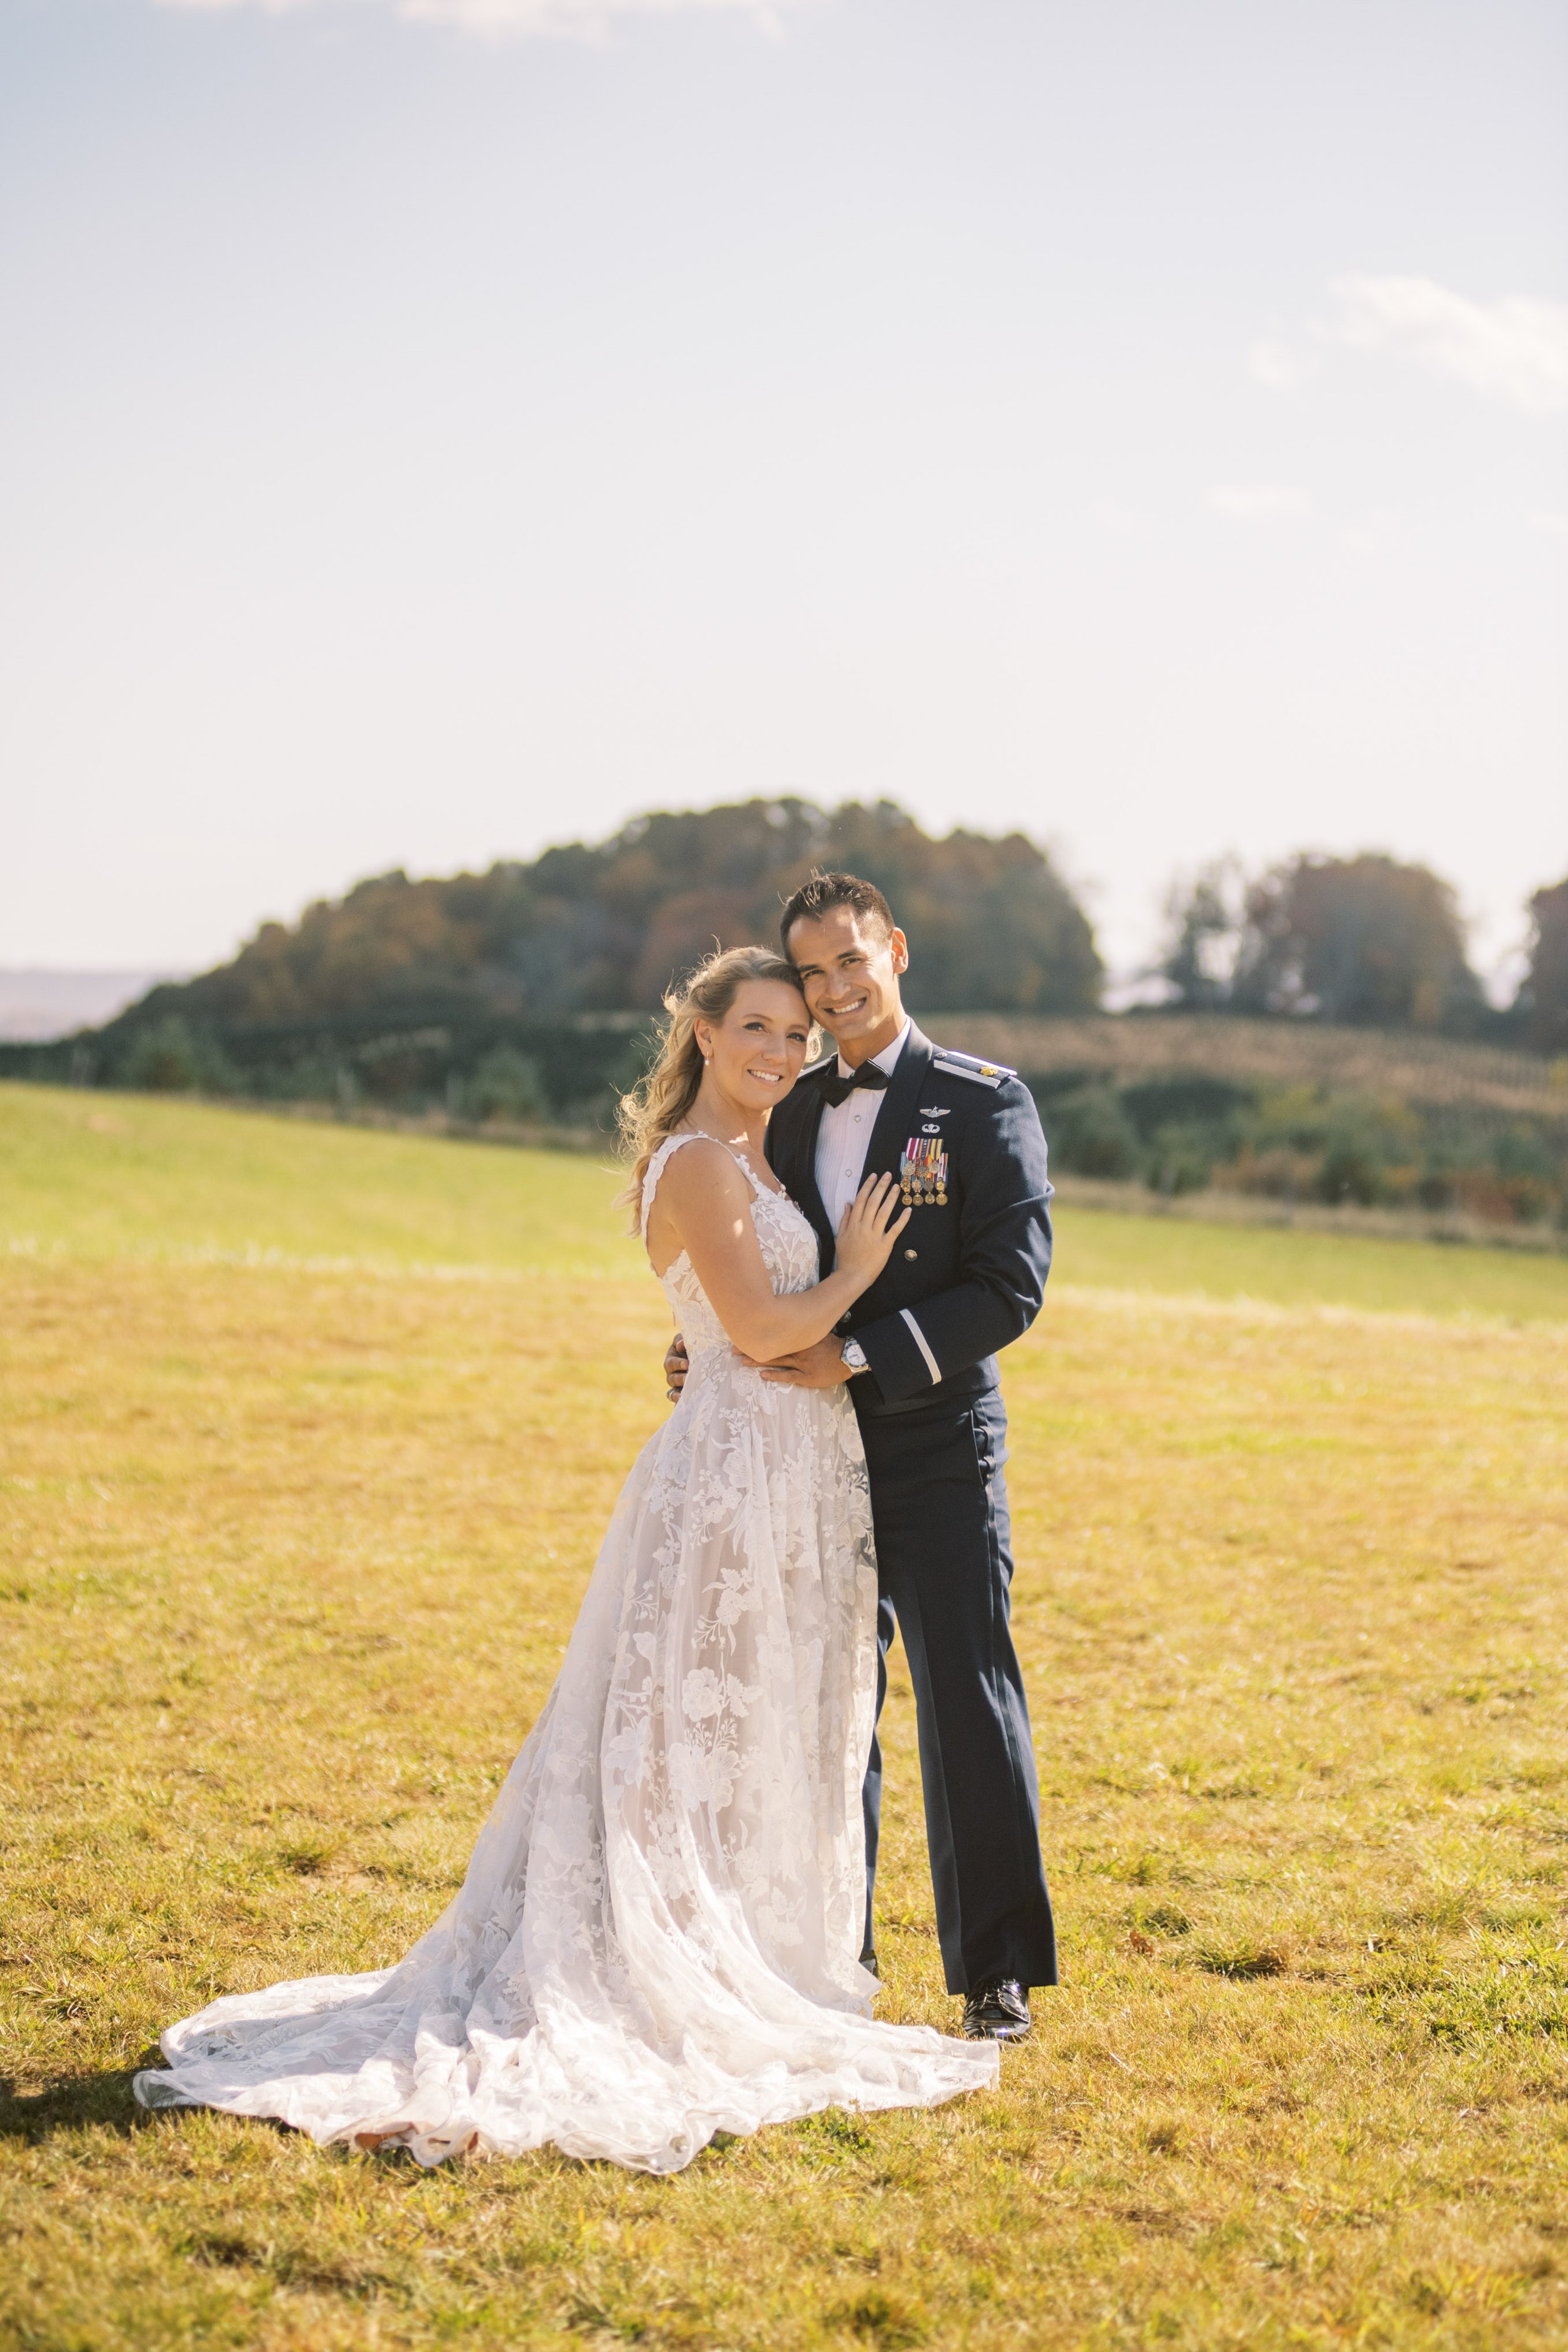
(922,1173)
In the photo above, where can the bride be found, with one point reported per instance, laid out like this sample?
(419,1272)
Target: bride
(656,1939)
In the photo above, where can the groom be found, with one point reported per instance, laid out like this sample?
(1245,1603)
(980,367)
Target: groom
(918,1351)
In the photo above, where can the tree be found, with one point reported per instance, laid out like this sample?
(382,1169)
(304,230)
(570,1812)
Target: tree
(1205,923)
(1365,941)
(1544,998)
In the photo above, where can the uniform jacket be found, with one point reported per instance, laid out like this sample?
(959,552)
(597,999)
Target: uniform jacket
(968,1273)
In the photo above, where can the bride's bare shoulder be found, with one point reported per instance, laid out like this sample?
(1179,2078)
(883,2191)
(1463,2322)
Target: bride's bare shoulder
(702,1193)
(704,1171)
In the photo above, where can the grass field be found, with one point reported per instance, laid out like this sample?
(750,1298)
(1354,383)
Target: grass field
(307,1437)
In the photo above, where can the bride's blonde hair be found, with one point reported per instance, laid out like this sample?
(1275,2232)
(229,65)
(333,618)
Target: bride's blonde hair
(659,1105)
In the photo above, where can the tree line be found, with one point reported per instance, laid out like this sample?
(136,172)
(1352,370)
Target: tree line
(1368,941)
(529,995)
(531,988)
(604,928)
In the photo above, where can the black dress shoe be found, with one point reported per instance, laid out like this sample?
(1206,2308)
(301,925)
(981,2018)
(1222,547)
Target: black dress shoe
(996,2011)
(868,1962)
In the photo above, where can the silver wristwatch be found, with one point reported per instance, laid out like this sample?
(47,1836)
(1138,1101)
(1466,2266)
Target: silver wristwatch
(855,1356)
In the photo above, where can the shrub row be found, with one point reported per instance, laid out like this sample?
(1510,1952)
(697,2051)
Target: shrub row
(1308,1143)
(569,1073)
(1175,1134)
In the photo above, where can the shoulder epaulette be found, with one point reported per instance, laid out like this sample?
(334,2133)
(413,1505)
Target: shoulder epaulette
(966,1065)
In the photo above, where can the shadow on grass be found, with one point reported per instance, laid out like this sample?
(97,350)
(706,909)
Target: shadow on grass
(104,2103)
(100,2102)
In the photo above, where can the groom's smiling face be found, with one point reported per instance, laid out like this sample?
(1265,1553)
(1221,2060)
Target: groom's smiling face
(849,969)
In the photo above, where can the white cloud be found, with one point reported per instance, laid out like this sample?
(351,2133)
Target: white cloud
(1277,366)
(1259,501)
(1514,350)
(1547,525)
(583,20)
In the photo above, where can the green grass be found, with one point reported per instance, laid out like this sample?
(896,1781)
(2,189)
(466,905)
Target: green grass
(295,1525)
(117,1175)
(1304,1269)
(109,1176)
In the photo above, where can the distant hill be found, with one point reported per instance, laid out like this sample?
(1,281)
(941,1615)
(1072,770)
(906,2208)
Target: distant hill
(604,928)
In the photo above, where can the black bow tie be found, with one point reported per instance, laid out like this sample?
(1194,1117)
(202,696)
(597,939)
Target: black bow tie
(835,1089)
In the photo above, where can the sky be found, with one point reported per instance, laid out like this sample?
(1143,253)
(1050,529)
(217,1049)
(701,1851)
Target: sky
(433,428)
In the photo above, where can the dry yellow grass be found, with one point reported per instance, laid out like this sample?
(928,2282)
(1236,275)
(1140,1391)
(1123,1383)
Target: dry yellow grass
(290,1555)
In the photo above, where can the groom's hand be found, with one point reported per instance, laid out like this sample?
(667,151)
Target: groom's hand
(676,1366)
(820,1366)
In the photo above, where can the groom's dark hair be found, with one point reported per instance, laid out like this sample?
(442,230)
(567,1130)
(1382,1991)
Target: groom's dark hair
(820,893)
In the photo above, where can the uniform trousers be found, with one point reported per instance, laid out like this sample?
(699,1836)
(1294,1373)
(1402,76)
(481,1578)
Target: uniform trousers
(944,1562)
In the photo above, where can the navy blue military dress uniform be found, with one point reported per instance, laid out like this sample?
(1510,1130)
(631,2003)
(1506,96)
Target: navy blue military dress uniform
(966,1276)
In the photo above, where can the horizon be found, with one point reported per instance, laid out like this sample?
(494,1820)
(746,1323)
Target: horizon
(35,1000)
(84,985)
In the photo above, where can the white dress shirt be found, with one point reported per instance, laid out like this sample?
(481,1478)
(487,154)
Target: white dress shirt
(845,1134)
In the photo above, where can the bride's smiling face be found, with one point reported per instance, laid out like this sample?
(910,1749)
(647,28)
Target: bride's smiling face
(756,1051)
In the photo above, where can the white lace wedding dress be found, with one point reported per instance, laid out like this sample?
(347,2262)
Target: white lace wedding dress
(656,1939)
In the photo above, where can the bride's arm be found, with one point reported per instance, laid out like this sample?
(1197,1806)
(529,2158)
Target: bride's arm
(708,1206)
